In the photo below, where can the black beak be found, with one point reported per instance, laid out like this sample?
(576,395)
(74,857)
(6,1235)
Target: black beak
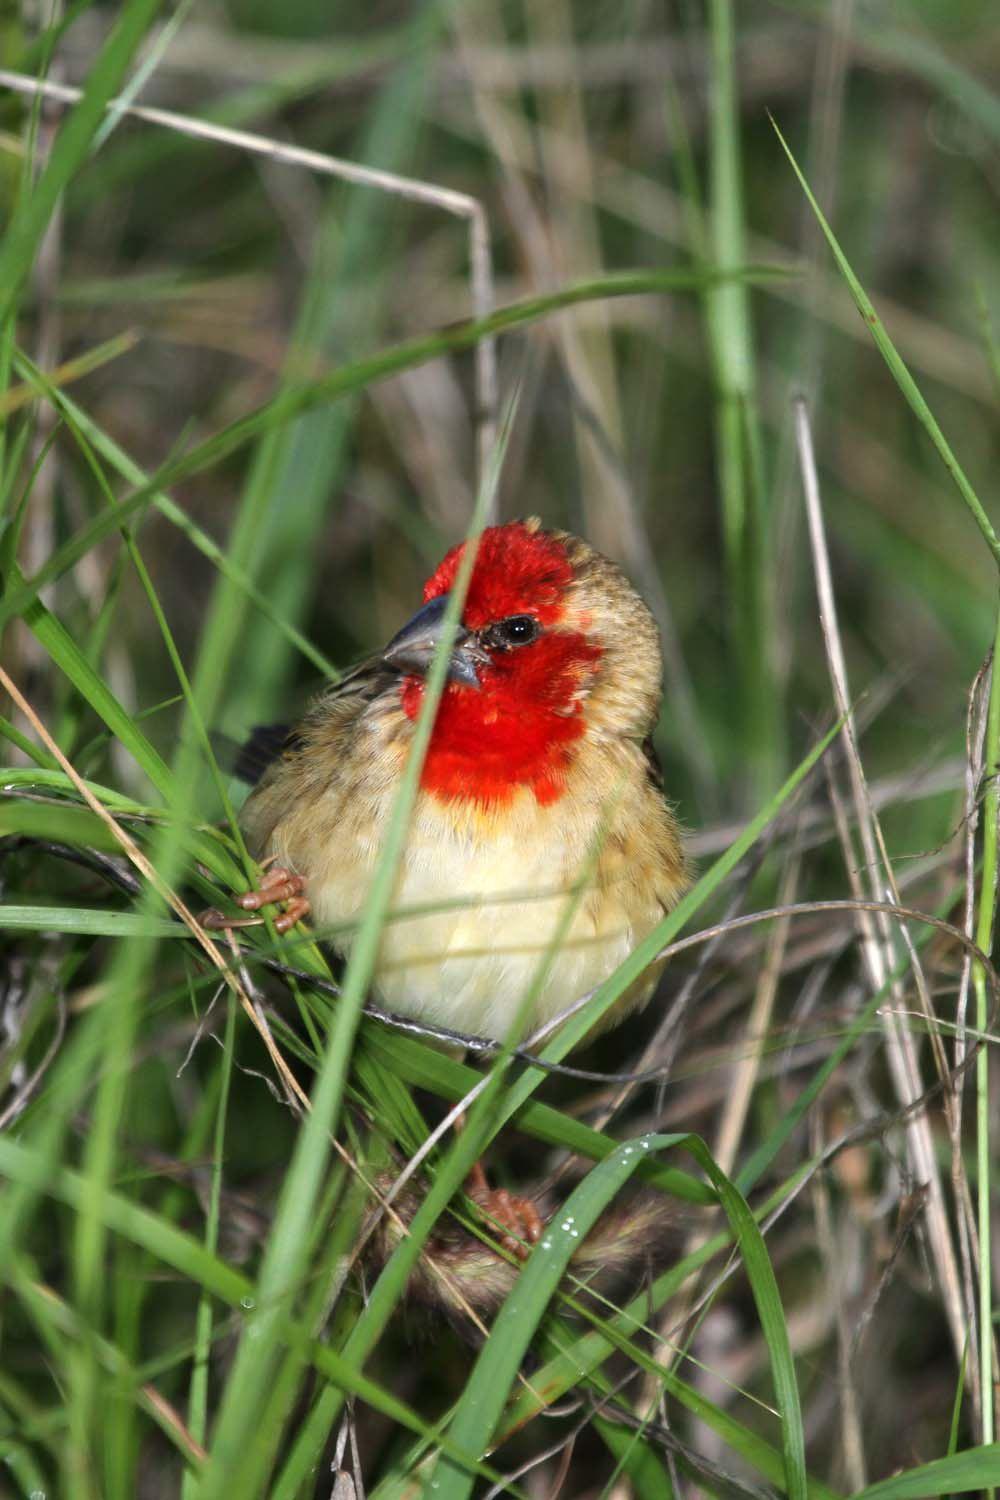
(413,648)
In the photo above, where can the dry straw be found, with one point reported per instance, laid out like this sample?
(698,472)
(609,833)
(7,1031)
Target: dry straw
(462,205)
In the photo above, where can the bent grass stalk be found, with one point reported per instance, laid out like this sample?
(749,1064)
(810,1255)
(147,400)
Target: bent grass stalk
(353,377)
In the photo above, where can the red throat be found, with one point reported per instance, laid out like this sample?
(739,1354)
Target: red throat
(520,726)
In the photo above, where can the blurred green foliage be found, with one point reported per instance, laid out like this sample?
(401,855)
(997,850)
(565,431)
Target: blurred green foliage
(597,139)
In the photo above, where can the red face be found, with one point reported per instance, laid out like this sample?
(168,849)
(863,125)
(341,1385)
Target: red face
(518,727)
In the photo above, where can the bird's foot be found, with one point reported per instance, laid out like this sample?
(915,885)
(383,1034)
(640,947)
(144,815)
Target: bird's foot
(279,884)
(516,1216)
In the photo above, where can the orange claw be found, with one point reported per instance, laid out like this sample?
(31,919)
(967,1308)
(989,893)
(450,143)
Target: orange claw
(279,884)
(517,1215)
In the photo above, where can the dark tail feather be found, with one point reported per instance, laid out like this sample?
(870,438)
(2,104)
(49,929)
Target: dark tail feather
(249,761)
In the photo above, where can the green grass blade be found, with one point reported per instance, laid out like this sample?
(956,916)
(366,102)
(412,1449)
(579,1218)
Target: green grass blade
(638,1461)
(284,1259)
(86,922)
(173,1247)
(897,368)
(24,234)
(122,464)
(351,378)
(391,1284)
(70,659)
(485,1395)
(198,1393)
(61,824)
(208,846)
(738,452)
(975,1469)
(486,1391)
(342,312)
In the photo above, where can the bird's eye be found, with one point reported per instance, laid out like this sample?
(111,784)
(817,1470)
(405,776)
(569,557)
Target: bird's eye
(518,630)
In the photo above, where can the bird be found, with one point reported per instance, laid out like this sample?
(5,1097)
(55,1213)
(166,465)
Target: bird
(541,847)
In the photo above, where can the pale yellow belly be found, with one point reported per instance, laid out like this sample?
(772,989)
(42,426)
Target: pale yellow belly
(500,940)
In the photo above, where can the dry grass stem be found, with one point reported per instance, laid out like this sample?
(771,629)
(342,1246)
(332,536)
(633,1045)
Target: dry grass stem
(837,1273)
(462,205)
(901,1049)
(744,1080)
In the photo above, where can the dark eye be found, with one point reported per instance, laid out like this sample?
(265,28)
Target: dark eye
(518,630)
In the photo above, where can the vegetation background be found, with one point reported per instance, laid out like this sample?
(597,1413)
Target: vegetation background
(243,416)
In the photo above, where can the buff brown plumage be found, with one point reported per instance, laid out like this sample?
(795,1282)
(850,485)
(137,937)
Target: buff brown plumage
(538,779)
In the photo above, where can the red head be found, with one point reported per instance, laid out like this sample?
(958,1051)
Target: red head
(516,720)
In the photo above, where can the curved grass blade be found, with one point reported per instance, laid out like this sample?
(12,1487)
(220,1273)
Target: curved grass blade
(577,1357)
(70,660)
(207,845)
(897,367)
(975,1469)
(355,377)
(86,922)
(172,1246)
(65,825)
(485,1395)
(128,469)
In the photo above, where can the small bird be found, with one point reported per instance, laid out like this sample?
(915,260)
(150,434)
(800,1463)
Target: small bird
(540,814)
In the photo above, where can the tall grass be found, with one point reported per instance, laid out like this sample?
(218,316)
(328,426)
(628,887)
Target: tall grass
(272,398)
